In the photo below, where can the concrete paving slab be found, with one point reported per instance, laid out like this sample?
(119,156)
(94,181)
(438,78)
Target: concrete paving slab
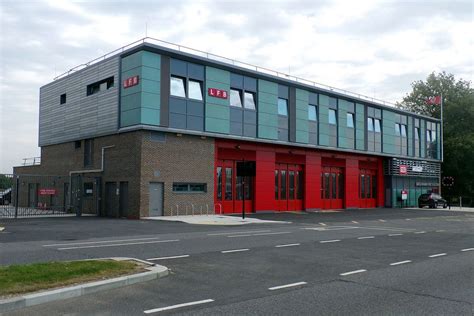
(214,220)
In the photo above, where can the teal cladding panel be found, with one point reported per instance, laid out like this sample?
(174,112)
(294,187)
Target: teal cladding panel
(267,109)
(323,100)
(360,126)
(422,138)
(302,98)
(323,123)
(410,136)
(217,109)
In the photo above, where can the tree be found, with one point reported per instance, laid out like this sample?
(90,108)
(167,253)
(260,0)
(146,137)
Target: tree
(458,104)
(5,182)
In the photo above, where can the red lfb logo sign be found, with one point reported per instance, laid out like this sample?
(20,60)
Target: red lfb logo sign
(403,169)
(217,93)
(130,82)
(47,191)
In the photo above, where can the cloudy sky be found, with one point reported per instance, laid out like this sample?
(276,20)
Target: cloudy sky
(376,48)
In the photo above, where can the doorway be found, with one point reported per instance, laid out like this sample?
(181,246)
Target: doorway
(156,199)
(332,187)
(289,187)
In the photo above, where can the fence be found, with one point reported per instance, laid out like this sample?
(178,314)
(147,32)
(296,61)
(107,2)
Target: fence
(34,195)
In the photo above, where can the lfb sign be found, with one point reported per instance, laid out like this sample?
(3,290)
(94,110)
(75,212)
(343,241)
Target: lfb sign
(217,93)
(130,82)
(404,194)
(403,169)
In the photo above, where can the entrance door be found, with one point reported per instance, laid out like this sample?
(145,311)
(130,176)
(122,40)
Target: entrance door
(368,187)
(229,188)
(111,199)
(156,199)
(332,187)
(289,187)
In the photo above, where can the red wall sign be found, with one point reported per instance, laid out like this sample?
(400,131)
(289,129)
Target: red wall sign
(130,82)
(47,191)
(403,169)
(217,93)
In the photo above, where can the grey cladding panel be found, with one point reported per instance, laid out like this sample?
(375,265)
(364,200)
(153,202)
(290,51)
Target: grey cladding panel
(81,116)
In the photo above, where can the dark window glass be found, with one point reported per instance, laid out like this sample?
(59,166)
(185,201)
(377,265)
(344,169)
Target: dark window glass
(334,185)
(62,98)
(377,125)
(248,188)
(312,115)
(350,120)
(177,87)
(238,188)
(197,187)
(403,129)
(326,185)
(362,186)
(282,107)
(300,183)
(291,185)
(340,179)
(276,184)
(332,117)
(249,100)
(219,183)
(283,185)
(100,86)
(88,152)
(195,90)
(367,188)
(235,98)
(77,144)
(228,184)
(374,187)
(189,187)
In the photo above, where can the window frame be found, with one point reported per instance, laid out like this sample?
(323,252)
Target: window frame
(239,91)
(379,124)
(187,187)
(403,130)
(254,105)
(351,116)
(335,116)
(286,107)
(200,89)
(94,88)
(184,81)
(63,98)
(370,124)
(398,131)
(315,113)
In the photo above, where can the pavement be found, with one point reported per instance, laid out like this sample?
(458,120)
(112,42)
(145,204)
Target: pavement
(214,220)
(358,262)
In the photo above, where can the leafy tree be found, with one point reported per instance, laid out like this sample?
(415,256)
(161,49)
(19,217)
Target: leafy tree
(458,104)
(5,182)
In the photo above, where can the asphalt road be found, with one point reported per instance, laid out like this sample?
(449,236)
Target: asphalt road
(415,262)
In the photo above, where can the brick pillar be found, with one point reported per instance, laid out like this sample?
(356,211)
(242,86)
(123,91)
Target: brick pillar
(312,189)
(351,195)
(265,181)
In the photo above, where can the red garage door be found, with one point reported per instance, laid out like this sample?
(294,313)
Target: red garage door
(332,187)
(229,189)
(289,187)
(368,188)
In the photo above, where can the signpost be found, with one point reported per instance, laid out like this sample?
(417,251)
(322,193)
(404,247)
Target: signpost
(404,195)
(245,169)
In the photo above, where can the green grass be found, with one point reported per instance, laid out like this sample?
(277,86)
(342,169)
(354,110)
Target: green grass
(18,279)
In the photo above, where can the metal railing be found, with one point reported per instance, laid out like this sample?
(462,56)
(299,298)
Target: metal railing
(230,61)
(32,161)
(194,209)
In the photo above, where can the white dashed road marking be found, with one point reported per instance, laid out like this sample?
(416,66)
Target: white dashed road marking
(235,250)
(382,220)
(260,234)
(422,232)
(467,249)
(355,222)
(287,245)
(400,262)
(165,258)
(99,242)
(353,272)
(392,235)
(328,241)
(286,286)
(437,255)
(366,237)
(156,310)
(322,224)
(117,245)
(239,232)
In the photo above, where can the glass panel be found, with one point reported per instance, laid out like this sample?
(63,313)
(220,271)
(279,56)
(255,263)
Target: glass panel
(300,183)
(334,186)
(367,188)
(332,117)
(428,136)
(433,136)
(397,129)
(362,186)
(235,98)
(282,107)
(403,130)
(370,124)
(197,187)
(276,184)
(340,179)
(326,185)
(249,100)
(283,185)
(248,188)
(312,112)
(219,183)
(291,186)
(180,187)
(322,186)
(238,188)
(350,120)
(177,87)
(195,90)
(417,133)
(377,125)
(374,187)
(228,184)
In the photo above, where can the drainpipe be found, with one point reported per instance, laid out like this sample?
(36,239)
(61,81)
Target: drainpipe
(87,171)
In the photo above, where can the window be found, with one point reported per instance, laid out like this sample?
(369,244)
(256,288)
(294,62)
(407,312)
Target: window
(235,98)
(350,120)
(397,129)
(195,90)
(377,125)
(403,129)
(283,185)
(370,124)
(312,113)
(100,86)
(177,87)
(332,117)
(219,183)
(189,187)
(282,107)
(428,136)
(77,144)
(276,184)
(88,189)
(249,100)
(62,98)
(88,152)
(433,136)
(417,133)
(228,184)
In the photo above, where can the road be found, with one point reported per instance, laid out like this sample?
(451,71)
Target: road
(416,262)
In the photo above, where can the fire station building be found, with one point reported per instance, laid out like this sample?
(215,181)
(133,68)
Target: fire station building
(153,130)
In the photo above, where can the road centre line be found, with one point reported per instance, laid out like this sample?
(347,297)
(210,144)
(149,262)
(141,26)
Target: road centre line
(392,235)
(235,250)
(322,224)
(328,241)
(422,232)
(366,237)
(165,258)
(355,222)
(287,245)
(467,249)
(388,228)
(99,242)
(260,234)
(156,310)
(400,262)
(286,286)
(382,220)
(329,228)
(437,255)
(240,232)
(353,272)
(116,245)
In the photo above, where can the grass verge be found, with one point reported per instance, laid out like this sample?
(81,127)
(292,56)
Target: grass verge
(19,279)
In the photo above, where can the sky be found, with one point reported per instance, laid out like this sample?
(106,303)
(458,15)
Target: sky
(375,48)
